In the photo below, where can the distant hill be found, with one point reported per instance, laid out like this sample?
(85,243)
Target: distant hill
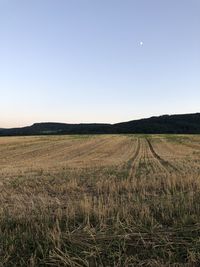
(176,124)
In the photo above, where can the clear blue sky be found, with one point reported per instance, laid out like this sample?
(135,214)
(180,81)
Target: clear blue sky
(82,60)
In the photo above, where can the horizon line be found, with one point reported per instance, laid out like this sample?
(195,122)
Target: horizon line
(106,123)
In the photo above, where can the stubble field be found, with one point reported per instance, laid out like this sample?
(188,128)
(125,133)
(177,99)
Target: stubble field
(107,200)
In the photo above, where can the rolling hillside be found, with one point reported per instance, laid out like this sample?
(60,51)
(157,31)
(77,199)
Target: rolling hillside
(176,124)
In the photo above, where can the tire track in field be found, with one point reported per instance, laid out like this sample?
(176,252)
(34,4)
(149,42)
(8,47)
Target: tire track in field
(167,165)
(133,159)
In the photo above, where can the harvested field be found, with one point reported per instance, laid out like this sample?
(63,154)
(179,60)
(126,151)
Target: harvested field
(107,200)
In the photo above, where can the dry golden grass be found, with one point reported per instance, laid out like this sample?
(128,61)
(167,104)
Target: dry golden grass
(100,200)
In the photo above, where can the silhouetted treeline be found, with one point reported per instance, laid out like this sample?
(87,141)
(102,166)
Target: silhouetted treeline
(175,124)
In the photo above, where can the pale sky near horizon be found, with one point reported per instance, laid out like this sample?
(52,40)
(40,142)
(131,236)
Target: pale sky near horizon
(98,60)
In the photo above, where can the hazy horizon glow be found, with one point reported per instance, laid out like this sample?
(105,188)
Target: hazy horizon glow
(98,61)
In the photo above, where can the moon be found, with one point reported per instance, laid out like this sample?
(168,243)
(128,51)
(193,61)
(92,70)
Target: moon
(141,43)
